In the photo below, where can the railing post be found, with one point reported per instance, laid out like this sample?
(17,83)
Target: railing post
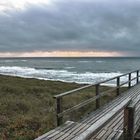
(59,110)
(129,78)
(129,123)
(137,76)
(118,86)
(97,94)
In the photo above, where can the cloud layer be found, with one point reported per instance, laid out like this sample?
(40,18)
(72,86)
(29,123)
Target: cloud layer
(72,25)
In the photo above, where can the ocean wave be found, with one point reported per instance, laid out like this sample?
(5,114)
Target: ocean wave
(59,75)
(9,61)
(43,68)
(99,61)
(24,60)
(83,61)
(69,67)
(13,60)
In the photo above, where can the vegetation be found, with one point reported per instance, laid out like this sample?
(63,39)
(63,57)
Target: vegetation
(27,107)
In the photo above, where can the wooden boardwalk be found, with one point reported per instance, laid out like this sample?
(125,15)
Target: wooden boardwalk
(118,119)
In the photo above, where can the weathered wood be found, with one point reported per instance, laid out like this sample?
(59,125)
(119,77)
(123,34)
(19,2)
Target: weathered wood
(94,117)
(100,113)
(137,109)
(72,91)
(97,94)
(108,133)
(131,123)
(129,128)
(118,86)
(116,120)
(112,129)
(84,103)
(109,137)
(55,131)
(129,79)
(101,122)
(59,110)
(106,122)
(135,101)
(137,76)
(97,97)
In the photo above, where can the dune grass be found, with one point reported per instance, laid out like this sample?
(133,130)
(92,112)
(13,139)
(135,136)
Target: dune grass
(27,107)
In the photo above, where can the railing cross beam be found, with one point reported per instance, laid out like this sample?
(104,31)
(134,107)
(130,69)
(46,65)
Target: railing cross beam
(98,94)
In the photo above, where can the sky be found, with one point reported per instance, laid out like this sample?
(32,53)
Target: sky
(41,28)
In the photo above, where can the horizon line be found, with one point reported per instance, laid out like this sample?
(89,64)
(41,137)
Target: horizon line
(74,57)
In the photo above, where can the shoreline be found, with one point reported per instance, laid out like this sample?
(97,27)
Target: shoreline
(42,79)
(53,80)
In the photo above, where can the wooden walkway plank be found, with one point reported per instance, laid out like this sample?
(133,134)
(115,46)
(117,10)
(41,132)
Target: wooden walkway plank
(112,125)
(94,128)
(105,123)
(94,118)
(56,130)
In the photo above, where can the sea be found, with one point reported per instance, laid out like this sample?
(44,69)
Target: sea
(78,70)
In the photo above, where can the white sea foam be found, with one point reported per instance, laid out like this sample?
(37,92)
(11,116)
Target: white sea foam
(23,60)
(60,75)
(69,67)
(83,61)
(9,61)
(99,61)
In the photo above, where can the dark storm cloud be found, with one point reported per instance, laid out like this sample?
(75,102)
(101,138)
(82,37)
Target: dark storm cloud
(103,25)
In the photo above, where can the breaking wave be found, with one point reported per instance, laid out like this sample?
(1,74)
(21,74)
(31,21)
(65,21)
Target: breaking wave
(59,75)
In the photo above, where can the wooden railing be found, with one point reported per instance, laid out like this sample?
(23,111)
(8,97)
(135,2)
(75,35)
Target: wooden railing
(97,98)
(132,119)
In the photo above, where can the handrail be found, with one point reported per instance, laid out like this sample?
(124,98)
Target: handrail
(79,105)
(90,85)
(71,91)
(60,112)
(116,77)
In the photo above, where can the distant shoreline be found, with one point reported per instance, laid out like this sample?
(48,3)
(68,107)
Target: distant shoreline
(53,80)
(39,79)
(67,57)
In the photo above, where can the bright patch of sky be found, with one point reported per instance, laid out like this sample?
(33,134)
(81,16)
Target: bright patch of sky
(20,4)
